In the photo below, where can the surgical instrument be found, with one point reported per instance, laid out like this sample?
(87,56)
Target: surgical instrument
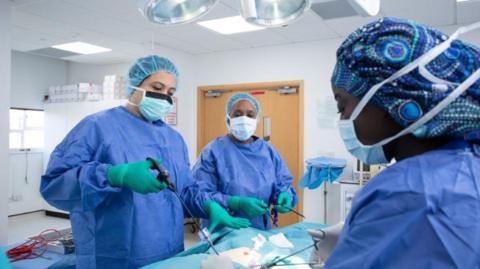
(293,211)
(164,177)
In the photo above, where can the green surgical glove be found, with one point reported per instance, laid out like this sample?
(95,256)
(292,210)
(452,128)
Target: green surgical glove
(284,202)
(135,176)
(252,206)
(219,216)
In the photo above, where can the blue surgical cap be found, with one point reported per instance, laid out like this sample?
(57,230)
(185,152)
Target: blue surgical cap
(144,67)
(239,97)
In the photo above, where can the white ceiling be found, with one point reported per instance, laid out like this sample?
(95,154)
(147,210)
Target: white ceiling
(117,24)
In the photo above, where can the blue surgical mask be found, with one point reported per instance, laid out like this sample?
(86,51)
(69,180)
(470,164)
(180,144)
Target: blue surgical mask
(154,106)
(374,154)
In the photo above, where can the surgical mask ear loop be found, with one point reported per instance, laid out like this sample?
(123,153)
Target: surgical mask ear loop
(421,61)
(143,96)
(227,121)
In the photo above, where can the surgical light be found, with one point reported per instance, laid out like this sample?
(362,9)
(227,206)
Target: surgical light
(168,12)
(273,13)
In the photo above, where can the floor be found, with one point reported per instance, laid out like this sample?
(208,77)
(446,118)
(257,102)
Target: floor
(23,226)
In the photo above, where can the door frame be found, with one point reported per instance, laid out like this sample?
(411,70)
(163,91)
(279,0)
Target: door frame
(252,87)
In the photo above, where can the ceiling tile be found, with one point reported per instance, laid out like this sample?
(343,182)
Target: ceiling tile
(36,38)
(260,38)
(468,12)
(114,8)
(19,3)
(41,24)
(309,27)
(345,26)
(198,35)
(58,10)
(118,24)
(170,42)
(76,16)
(443,12)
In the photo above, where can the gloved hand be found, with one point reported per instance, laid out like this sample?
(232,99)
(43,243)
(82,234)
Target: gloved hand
(219,216)
(325,239)
(135,176)
(284,202)
(216,261)
(250,205)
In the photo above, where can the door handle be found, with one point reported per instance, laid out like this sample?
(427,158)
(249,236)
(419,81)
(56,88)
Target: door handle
(267,131)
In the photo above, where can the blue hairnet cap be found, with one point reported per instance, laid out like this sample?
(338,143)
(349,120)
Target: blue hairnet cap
(144,67)
(239,97)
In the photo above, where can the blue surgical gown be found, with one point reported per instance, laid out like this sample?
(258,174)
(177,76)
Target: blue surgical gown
(226,169)
(423,212)
(116,227)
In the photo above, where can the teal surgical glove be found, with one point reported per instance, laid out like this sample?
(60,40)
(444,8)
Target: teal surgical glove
(252,206)
(219,216)
(135,176)
(284,202)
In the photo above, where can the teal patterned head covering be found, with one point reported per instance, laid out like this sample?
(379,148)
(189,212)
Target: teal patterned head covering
(376,51)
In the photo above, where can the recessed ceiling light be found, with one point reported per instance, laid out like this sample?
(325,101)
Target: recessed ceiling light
(229,25)
(81,48)
(459,1)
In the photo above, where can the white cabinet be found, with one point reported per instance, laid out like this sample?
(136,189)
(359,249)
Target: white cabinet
(339,198)
(60,118)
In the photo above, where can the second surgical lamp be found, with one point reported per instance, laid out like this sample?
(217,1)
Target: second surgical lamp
(266,13)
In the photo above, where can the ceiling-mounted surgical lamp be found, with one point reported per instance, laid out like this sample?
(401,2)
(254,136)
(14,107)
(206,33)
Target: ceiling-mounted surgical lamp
(273,13)
(169,12)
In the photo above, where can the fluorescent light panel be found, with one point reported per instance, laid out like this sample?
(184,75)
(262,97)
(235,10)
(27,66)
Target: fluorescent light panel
(229,25)
(81,48)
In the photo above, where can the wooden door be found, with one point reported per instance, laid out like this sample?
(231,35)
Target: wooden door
(283,111)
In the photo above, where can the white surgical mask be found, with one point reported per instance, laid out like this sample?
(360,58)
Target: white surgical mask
(374,154)
(242,128)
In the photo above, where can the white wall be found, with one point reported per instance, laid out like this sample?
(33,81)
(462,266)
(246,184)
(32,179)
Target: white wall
(79,72)
(5,15)
(25,173)
(31,77)
(311,62)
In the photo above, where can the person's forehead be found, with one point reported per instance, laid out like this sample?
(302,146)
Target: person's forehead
(163,77)
(338,92)
(243,104)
